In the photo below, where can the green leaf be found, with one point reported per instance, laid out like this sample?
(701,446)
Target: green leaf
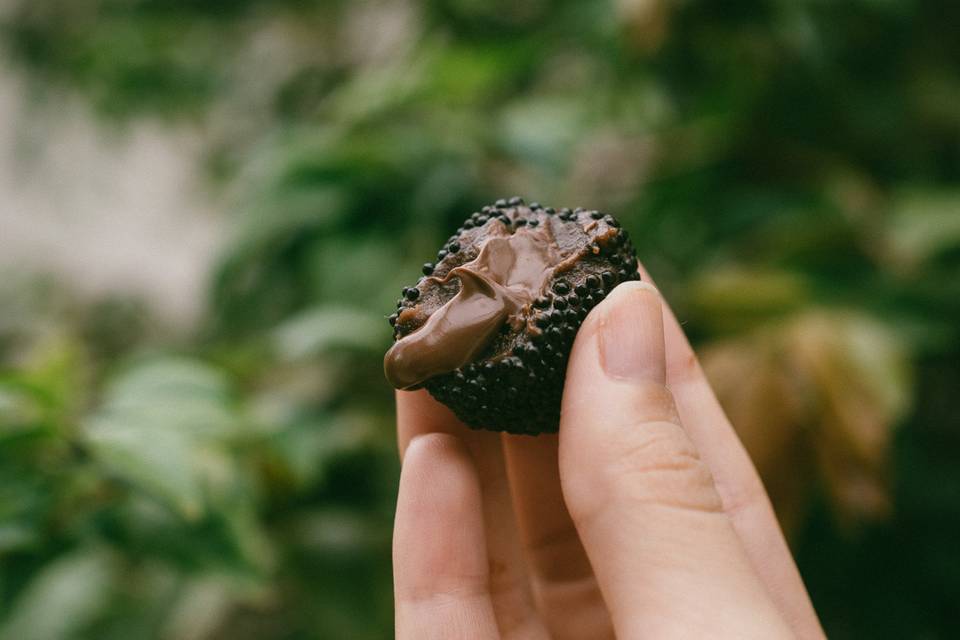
(64,597)
(201,607)
(155,460)
(165,428)
(924,224)
(309,445)
(19,413)
(543,129)
(322,328)
(734,298)
(14,536)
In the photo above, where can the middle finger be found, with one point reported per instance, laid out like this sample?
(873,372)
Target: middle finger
(563,579)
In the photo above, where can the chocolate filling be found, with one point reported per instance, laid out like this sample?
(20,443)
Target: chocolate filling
(508,274)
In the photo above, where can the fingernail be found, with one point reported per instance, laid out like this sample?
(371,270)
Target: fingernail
(631,334)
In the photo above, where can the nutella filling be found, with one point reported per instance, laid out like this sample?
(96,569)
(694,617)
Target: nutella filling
(509,272)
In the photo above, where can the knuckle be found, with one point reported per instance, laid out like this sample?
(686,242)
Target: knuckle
(557,555)
(442,591)
(684,367)
(649,403)
(648,464)
(664,468)
(432,443)
(743,495)
(511,598)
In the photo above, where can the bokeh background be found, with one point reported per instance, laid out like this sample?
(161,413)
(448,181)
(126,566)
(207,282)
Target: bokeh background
(208,207)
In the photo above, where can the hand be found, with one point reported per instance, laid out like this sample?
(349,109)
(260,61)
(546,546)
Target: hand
(643,518)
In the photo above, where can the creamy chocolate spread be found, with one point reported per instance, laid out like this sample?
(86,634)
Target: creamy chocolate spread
(509,272)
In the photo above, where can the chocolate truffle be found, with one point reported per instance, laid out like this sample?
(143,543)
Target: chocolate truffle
(488,329)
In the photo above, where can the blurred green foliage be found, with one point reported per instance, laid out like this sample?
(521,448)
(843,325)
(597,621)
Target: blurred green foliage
(768,156)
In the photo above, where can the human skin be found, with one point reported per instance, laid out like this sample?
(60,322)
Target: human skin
(643,518)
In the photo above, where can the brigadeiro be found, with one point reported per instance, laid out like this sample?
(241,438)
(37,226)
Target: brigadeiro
(488,329)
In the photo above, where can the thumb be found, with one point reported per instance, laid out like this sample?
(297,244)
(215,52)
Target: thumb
(665,554)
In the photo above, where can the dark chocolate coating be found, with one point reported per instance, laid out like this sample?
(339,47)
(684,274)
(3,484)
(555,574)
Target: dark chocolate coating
(516,381)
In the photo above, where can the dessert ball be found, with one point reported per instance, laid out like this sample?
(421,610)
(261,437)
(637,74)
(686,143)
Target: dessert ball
(488,328)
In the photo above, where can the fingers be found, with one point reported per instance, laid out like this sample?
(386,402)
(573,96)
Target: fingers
(665,554)
(418,414)
(439,552)
(564,584)
(740,488)
(510,590)
(509,581)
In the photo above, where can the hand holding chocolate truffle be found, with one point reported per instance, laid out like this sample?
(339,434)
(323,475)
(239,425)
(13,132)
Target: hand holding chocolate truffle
(643,517)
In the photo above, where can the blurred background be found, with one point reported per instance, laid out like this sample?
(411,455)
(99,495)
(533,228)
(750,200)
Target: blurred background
(208,208)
